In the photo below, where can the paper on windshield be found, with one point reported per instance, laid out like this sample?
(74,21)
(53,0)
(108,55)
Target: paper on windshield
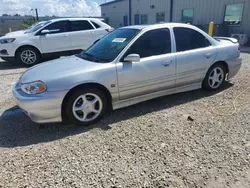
(119,40)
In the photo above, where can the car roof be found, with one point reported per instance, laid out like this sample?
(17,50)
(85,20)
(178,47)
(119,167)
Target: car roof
(155,26)
(62,19)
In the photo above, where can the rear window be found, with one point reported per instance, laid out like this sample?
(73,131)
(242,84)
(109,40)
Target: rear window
(95,24)
(80,25)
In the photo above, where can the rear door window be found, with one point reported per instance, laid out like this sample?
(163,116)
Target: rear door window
(80,25)
(189,39)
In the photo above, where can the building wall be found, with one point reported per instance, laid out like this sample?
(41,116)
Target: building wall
(205,11)
(115,12)
(143,7)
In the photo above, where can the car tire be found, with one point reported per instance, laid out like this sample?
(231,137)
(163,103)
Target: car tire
(85,106)
(28,56)
(215,77)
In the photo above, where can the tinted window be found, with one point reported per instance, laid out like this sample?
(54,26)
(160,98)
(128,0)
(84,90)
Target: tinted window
(189,39)
(80,25)
(57,27)
(95,24)
(151,43)
(233,14)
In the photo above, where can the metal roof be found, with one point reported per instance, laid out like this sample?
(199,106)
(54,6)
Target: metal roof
(111,2)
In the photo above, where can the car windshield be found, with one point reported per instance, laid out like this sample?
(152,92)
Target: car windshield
(37,26)
(110,46)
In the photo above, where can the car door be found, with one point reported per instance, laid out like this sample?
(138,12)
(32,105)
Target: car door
(57,39)
(82,34)
(194,55)
(156,69)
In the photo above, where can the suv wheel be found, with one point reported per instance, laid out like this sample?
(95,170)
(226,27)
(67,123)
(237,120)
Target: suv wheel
(85,106)
(28,56)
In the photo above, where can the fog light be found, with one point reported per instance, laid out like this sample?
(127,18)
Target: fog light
(4,52)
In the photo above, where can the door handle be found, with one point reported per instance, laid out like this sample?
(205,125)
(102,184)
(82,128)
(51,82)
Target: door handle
(208,55)
(66,35)
(166,63)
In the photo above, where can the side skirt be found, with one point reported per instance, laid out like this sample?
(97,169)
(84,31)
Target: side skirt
(135,100)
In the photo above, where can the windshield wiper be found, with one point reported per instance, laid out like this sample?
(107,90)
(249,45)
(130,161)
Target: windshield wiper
(89,57)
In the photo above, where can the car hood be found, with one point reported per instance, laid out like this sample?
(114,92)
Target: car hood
(57,68)
(15,34)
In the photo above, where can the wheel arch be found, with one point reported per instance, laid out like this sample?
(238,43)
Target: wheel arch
(86,85)
(224,63)
(25,46)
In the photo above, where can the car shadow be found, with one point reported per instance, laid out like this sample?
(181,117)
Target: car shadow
(4,65)
(17,130)
(8,65)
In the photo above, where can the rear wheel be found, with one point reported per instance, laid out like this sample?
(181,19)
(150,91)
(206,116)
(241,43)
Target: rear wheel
(215,77)
(85,106)
(28,56)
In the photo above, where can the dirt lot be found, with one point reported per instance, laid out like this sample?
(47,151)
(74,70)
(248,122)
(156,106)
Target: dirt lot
(153,144)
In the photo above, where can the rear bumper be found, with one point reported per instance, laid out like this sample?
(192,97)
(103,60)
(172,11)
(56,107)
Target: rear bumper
(234,67)
(41,108)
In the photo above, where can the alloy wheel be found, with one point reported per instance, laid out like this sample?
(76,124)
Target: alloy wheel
(216,77)
(28,57)
(87,107)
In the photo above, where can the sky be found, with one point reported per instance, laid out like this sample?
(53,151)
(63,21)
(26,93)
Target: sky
(52,7)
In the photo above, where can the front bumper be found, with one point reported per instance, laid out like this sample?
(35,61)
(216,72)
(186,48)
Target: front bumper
(41,108)
(234,67)
(8,50)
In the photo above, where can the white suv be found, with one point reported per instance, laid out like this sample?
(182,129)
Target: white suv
(58,37)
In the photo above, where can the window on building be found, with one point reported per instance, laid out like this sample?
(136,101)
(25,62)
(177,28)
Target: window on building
(80,25)
(152,43)
(187,15)
(233,14)
(189,39)
(160,17)
(144,19)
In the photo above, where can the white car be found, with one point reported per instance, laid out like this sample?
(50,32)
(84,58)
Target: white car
(54,37)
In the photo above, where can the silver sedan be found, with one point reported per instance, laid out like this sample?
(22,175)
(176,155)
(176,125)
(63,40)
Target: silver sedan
(128,66)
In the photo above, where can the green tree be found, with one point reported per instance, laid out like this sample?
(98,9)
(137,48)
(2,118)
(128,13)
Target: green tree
(27,23)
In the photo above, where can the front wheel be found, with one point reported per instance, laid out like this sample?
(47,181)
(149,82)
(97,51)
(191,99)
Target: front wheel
(85,106)
(215,77)
(28,56)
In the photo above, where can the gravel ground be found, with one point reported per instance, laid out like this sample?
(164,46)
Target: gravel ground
(174,141)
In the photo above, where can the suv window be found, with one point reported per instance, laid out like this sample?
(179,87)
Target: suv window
(151,43)
(95,24)
(57,27)
(80,25)
(189,39)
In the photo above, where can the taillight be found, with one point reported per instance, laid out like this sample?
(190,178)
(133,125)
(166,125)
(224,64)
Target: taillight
(239,47)
(110,29)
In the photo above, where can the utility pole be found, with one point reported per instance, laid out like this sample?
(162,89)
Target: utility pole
(37,18)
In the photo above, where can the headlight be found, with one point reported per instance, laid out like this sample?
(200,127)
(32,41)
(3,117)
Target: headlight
(7,40)
(34,88)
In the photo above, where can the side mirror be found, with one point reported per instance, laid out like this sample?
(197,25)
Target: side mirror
(45,31)
(132,58)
